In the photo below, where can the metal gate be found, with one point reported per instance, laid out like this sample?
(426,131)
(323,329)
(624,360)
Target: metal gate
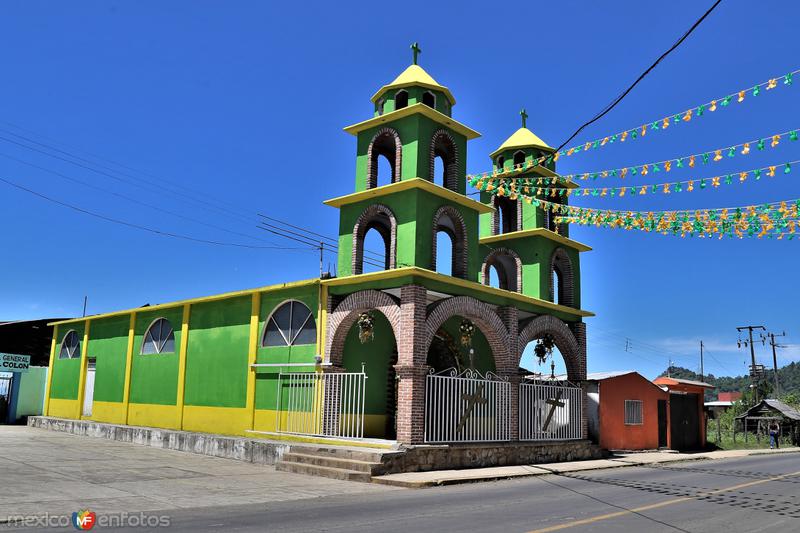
(6,381)
(328,405)
(550,411)
(466,407)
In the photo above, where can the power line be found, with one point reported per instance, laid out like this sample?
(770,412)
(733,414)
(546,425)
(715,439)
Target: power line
(158,186)
(128,198)
(619,98)
(137,226)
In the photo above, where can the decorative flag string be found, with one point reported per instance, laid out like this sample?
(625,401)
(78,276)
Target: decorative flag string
(656,125)
(541,186)
(772,220)
(690,161)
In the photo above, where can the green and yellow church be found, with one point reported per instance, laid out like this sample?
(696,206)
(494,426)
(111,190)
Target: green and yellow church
(404,354)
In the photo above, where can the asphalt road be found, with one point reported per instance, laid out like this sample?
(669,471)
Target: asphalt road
(759,493)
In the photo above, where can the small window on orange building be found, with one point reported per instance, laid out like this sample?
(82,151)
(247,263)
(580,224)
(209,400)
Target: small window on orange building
(633,412)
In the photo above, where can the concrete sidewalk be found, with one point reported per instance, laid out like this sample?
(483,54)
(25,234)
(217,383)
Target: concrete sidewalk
(452,477)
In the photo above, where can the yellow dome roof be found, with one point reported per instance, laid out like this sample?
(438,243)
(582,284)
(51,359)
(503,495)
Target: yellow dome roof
(522,138)
(415,75)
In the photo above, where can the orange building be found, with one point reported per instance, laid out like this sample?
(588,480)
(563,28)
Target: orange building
(687,418)
(626,411)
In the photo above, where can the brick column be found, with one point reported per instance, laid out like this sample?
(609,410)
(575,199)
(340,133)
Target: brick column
(411,403)
(579,330)
(514,379)
(510,317)
(411,368)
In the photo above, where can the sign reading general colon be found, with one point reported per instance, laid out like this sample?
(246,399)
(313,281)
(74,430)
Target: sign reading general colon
(10,362)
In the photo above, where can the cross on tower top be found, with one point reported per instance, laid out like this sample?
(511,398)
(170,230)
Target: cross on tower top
(416,50)
(524,116)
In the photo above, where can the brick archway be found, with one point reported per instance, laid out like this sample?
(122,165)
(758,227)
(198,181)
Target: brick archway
(483,316)
(346,314)
(567,344)
(380,218)
(561,266)
(443,145)
(450,220)
(386,142)
(509,267)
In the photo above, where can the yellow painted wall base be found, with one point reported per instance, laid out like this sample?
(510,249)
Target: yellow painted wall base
(220,420)
(62,408)
(375,426)
(109,412)
(152,415)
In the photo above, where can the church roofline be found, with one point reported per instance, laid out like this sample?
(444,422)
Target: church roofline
(406,184)
(200,299)
(472,285)
(536,232)
(415,76)
(420,108)
(522,138)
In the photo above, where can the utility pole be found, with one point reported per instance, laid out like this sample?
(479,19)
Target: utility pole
(321,249)
(752,356)
(85,299)
(701,360)
(775,359)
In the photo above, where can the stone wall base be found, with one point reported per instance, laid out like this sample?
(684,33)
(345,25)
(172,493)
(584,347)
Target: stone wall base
(238,448)
(481,455)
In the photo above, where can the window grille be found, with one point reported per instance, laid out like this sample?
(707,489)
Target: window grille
(633,412)
(70,346)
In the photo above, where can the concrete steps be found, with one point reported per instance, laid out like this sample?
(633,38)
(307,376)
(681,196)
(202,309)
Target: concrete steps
(337,462)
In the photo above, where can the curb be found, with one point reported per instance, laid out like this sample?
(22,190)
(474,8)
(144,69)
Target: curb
(545,470)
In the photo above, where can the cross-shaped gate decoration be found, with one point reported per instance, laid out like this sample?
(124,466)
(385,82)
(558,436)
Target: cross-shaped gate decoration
(472,399)
(554,402)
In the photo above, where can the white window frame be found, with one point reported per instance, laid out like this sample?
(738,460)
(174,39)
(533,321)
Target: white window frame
(291,313)
(631,407)
(159,349)
(76,351)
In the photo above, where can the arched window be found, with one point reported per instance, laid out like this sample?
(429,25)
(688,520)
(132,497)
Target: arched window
(400,100)
(70,346)
(500,163)
(519,159)
(159,338)
(429,99)
(290,324)
(380,104)
(449,220)
(507,216)
(561,278)
(506,265)
(444,252)
(386,143)
(494,278)
(443,146)
(380,218)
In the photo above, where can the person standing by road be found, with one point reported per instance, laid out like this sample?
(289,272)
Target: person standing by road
(774,430)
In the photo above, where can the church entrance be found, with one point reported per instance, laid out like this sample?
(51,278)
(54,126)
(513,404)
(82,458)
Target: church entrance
(370,346)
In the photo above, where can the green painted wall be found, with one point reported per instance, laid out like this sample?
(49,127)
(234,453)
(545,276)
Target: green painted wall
(535,253)
(414,210)
(376,356)
(108,343)
(416,132)
(154,377)
(216,357)
(267,379)
(66,372)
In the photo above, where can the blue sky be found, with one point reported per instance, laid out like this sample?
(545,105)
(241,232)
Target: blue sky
(243,104)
